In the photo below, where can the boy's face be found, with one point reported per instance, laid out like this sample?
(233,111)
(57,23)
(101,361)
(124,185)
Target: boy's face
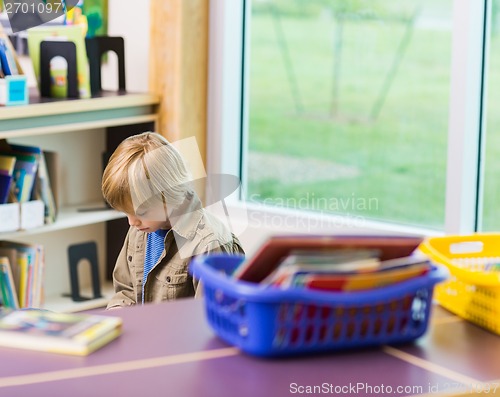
(149,219)
(146,225)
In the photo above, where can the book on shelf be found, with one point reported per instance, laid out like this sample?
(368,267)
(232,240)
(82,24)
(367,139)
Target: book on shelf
(31,176)
(29,272)
(42,189)
(52,162)
(9,62)
(25,168)
(64,333)
(7,164)
(11,255)
(24,176)
(7,59)
(13,82)
(7,287)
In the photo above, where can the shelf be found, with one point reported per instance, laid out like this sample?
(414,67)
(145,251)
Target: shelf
(48,116)
(58,303)
(79,130)
(69,217)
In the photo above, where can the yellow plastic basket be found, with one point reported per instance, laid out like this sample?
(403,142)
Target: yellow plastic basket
(473,290)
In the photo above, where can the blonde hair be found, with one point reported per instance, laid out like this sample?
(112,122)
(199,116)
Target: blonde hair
(145,169)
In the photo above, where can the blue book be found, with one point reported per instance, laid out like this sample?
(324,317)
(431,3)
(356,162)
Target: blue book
(3,59)
(25,169)
(5,184)
(7,286)
(24,176)
(9,66)
(7,164)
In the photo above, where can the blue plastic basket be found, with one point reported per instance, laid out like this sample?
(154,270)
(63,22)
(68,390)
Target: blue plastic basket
(268,321)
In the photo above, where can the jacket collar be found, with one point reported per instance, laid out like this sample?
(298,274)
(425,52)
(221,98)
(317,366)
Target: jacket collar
(186,218)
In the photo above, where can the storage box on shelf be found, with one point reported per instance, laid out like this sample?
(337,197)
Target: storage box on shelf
(14,87)
(21,216)
(14,90)
(10,217)
(79,130)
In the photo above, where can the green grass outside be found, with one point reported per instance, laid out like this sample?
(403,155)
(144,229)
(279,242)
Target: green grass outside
(400,155)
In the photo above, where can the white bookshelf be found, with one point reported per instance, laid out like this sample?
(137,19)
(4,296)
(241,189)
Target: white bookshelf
(60,303)
(76,130)
(69,217)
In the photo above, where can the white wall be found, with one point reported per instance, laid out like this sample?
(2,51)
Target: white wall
(129,19)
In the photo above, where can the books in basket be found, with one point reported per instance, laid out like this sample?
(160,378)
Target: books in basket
(277,248)
(42,330)
(334,263)
(310,262)
(364,281)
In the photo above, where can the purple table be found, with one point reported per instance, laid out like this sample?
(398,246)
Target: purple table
(169,349)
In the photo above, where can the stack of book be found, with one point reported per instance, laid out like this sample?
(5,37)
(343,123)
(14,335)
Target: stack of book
(24,176)
(334,263)
(22,268)
(7,163)
(8,64)
(42,330)
(344,270)
(13,82)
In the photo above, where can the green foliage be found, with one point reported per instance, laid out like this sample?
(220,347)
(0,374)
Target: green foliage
(400,156)
(314,8)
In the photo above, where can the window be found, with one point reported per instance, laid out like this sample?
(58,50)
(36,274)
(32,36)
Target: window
(365,108)
(348,106)
(491,143)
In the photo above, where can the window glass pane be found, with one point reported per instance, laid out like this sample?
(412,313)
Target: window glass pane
(348,107)
(491,191)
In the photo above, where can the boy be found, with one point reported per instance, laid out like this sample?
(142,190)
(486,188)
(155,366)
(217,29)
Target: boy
(147,179)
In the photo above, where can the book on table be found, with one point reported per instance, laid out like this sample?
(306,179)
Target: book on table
(64,333)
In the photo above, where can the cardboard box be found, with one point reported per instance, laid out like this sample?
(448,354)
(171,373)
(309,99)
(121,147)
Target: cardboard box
(32,214)
(10,217)
(15,216)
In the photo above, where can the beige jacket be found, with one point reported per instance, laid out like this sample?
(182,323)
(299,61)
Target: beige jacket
(197,232)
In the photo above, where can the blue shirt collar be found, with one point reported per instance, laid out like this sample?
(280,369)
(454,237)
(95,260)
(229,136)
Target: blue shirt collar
(161,232)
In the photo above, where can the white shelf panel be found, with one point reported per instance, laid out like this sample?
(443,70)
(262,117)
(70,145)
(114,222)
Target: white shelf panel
(58,303)
(77,131)
(45,116)
(65,128)
(43,107)
(70,217)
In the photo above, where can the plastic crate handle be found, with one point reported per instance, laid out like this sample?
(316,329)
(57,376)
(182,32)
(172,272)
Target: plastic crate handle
(467,247)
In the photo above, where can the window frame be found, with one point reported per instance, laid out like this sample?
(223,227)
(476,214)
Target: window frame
(227,133)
